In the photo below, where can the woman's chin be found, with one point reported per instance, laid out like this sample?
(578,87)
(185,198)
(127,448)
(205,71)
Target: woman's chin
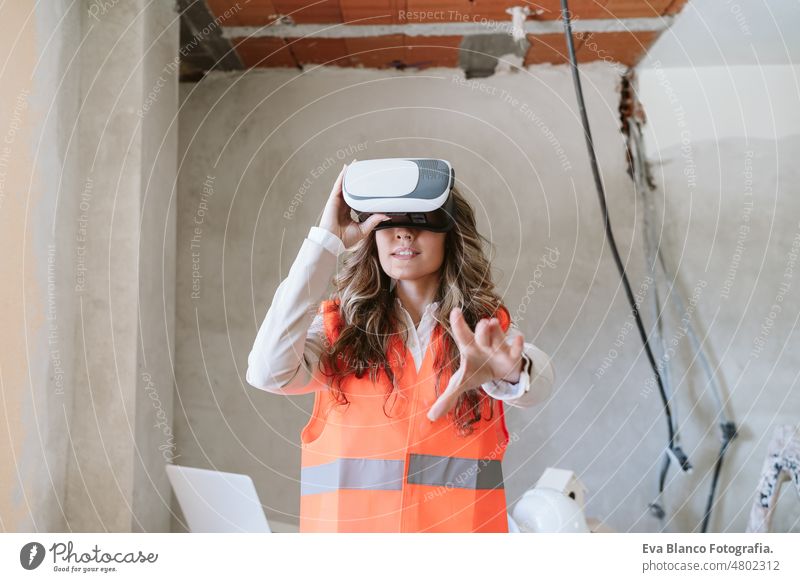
(408,272)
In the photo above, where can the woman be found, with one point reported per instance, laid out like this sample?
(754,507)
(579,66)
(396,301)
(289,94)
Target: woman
(397,443)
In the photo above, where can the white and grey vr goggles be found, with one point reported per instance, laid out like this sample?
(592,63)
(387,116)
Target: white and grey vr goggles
(414,192)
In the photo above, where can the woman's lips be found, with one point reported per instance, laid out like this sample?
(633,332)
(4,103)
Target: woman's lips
(406,257)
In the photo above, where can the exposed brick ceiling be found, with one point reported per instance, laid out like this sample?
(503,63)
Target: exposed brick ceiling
(624,44)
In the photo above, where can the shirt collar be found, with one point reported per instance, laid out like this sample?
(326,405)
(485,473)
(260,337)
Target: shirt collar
(430,308)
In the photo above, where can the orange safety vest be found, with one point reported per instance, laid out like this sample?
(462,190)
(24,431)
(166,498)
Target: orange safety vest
(364,471)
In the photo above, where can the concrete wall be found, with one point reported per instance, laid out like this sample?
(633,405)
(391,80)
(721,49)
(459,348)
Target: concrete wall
(38,206)
(720,90)
(698,104)
(89,256)
(260,152)
(722,143)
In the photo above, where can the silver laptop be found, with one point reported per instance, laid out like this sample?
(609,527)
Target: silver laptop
(213,501)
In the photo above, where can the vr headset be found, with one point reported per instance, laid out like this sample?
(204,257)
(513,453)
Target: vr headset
(414,192)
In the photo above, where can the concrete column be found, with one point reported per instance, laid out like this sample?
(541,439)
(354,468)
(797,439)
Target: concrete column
(122,411)
(87,174)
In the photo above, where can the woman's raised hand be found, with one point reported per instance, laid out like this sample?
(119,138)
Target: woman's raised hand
(336,216)
(485,356)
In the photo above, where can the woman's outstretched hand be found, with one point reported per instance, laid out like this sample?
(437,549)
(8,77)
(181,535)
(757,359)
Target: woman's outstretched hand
(485,356)
(336,216)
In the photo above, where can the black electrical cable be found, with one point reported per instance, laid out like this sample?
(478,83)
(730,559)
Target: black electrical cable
(728,434)
(678,453)
(727,427)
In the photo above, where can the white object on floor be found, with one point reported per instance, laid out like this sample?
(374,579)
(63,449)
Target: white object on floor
(554,505)
(564,481)
(213,501)
(543,510)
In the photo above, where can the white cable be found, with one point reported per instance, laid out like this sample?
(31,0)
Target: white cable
(518,16)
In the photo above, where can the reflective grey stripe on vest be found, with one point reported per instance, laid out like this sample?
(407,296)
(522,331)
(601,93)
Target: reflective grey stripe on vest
(455,472)
(349,473)
(352,474)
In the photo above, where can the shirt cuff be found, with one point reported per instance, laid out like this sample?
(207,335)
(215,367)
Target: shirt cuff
(503,390)
(327,239)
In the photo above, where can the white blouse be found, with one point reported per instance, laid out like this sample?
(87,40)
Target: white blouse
(291,338)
